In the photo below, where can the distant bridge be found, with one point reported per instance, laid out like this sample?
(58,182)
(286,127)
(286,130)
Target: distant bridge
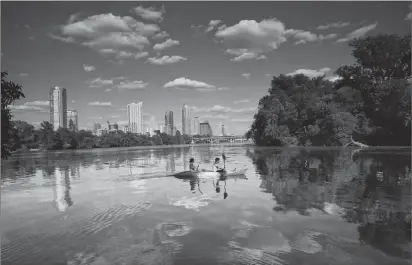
(218,139)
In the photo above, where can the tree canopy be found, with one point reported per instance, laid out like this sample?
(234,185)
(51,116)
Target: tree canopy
(371,101)
(10,92)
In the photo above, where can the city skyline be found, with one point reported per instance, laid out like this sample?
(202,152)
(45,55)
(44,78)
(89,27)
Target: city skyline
(220,62)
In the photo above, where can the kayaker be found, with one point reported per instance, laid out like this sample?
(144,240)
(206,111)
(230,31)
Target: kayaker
(216,166)
(192,165)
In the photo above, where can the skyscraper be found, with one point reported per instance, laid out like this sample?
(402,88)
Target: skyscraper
(58,107)
(135,116)
(195,126)
(186,120)
(169,122)
(96,126)
(152,124)
(205,128)
(72,115)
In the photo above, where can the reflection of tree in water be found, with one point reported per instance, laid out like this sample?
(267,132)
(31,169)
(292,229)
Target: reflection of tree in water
(297,178)
(379,201)
(376,195)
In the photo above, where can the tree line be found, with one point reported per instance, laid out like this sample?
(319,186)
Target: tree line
(370,102)
(24,136)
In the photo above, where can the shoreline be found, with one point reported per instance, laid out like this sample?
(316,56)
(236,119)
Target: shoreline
(129,148)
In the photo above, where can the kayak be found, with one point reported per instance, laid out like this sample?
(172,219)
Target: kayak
(209,174)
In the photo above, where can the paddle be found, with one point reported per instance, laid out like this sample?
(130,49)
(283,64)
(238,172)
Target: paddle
(224,160)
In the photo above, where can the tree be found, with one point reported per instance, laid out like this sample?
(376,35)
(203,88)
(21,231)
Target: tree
(382,74)
(10,92)
(46,134)
(72,127)
(178,137)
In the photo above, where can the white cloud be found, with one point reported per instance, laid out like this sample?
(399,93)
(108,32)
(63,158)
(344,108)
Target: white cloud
(27,108)
(212,25)
(241,101)
(140,55)
(150,13)
(164,45)
(311,73)
(37,103)
(249,36)
(183,83)
(124,55)
(132,85)
(119,40)
(246,75)
(74,17)
(358,33)
(244,54)
(88,68)
(108,90)
(338,24)
(107,33)
(98,82)
(166,59)
(115,116)
(64,39)
(333,78)
(24,74)
(303,36)
(73,101)
(100,104)
(160,35)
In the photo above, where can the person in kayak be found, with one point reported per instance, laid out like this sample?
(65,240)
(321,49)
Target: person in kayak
(192,165)
(216,166)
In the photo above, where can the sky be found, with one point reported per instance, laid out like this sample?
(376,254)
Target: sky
(216,57)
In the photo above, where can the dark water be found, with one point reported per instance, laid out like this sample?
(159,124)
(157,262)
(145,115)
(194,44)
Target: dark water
(297,206)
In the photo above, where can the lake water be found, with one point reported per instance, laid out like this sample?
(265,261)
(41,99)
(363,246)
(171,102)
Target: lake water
(293,206)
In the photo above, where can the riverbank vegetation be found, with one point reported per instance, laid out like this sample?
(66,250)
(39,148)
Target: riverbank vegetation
(369,102)
(24,136)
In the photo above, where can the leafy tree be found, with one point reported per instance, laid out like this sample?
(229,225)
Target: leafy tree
(178,137)
(10,92)
(72,127)
(186,139)
(58,141)
(371,101)
(157,140)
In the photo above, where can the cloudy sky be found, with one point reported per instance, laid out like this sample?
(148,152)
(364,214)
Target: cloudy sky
(217,57)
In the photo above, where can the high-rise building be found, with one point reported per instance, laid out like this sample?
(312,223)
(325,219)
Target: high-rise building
(135,116)
(169,124)
(96,127)
(58,107)
(205,128)
(223,130)
(161,128)
(195,126)
(72,116)
(152,124)
(186,120)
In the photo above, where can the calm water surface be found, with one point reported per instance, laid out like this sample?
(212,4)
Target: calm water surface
(294,206)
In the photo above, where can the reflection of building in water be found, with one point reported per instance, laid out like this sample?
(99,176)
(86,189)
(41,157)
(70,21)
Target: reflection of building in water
(75,171)
(185,159)
(61,189)
(170,163)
